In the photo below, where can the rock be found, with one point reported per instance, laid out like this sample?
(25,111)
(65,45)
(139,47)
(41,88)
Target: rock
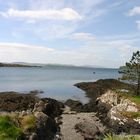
(110,98)
(45,110)
(46,126)
(40,106)
(53,108)
(12,101)
(88,130)
(74,105)
(79,107)
(23,113)
(29,112)
(41,116)
(96,89)
(113,109)
(33,136)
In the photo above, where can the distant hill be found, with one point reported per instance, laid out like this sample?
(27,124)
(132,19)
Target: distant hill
(56,65)
(28,64)
(59,66)
(14,65)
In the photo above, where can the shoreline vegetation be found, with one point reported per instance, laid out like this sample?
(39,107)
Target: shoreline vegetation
(112,108)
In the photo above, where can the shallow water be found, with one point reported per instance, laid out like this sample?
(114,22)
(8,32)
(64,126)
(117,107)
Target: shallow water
(56,82)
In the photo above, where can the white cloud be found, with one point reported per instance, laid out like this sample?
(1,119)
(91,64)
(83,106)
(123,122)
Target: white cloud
(134,11)
(50,19)
(17,52)
(20,46)
(61,14)
(83,36)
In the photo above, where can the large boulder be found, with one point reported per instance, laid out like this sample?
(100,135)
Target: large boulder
(45,126)
(53,108)
(88,130)
(74,105)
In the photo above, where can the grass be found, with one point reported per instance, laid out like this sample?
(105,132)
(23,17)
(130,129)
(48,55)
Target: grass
(131,114)
(12,127)
(28,122)
(8,130)
(135,99)
(129,95)
(121,137)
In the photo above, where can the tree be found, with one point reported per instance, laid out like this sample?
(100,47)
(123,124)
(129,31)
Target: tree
(131,71)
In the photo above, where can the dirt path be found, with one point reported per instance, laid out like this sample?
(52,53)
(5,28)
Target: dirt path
(70,119)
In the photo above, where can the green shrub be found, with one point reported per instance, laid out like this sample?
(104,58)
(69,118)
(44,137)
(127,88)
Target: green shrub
(8,130)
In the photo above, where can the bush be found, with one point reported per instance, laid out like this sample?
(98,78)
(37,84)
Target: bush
(8,130)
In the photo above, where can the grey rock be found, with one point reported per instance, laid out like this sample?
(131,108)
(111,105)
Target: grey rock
(33,136)
(88,130)
(40,106)
(46,126)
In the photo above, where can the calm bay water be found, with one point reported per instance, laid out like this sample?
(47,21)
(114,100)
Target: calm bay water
(56,82)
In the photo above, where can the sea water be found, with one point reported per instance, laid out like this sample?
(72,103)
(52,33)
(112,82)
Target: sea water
(56,82)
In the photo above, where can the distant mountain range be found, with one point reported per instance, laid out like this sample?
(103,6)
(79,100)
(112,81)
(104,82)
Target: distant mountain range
(56,65)
(26,64)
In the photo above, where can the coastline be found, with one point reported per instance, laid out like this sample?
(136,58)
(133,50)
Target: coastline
(53,113)
(110,99)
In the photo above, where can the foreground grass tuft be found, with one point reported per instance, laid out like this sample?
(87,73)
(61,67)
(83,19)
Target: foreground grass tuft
(12,127)
(8,131)
(133,115)
(135,99)
(121,137)
(129,95)
(28,123)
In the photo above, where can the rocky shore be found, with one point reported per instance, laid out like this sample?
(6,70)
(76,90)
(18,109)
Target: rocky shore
(108,112)
(118,112)
(35,117)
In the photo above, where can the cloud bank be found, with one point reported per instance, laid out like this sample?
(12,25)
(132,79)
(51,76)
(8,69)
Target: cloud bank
(61,14)
(93,53)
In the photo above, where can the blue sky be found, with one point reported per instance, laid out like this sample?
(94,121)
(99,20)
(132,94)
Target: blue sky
(78,32)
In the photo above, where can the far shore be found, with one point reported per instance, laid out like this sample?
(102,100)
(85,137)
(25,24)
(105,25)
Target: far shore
(15,65)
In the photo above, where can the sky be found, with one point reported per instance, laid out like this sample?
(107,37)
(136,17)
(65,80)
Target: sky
(76,32)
